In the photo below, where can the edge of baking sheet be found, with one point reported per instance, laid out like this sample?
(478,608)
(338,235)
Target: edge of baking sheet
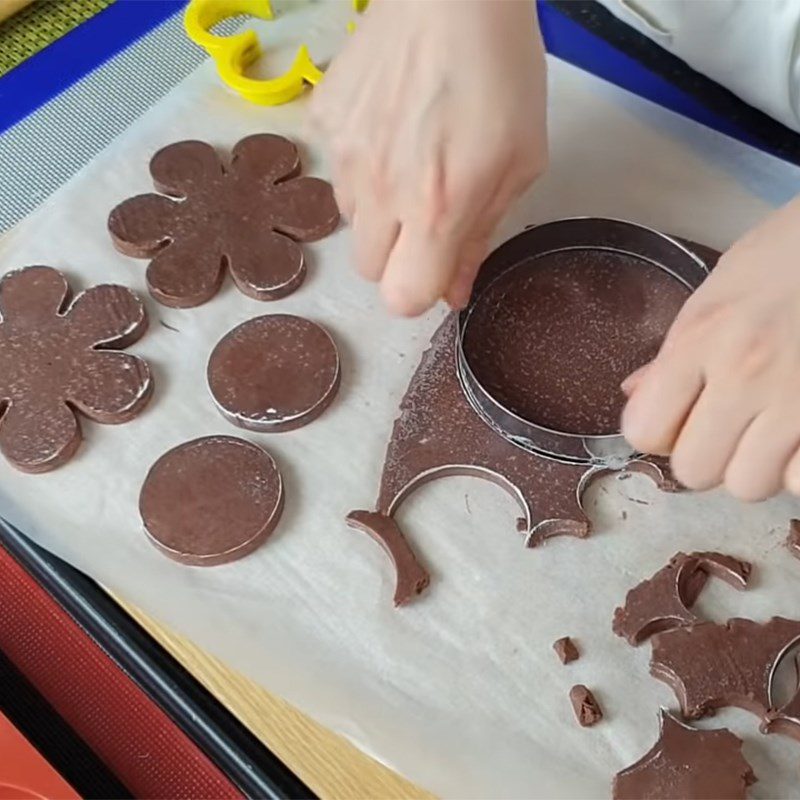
(588,36)
(235,750)
(66,60)
(45,149)
(62,106)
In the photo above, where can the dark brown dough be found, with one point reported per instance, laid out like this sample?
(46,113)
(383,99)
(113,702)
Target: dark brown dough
(211,500)
(412,577)
(734,571)
(689,764)
(553,339)
(663,601)
(710,666)
(566,650)
(59,357)
(247,217)
(274,373)
(784,720)
(584,704)
(793,538)
(439,434)
(659,603)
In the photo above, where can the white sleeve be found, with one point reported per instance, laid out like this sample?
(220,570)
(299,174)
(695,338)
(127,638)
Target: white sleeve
(752,47)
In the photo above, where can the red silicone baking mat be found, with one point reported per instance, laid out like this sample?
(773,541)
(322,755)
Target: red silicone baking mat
(24,773)
(134,736)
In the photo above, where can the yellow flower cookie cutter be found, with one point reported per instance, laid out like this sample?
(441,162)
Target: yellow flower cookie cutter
(233,54)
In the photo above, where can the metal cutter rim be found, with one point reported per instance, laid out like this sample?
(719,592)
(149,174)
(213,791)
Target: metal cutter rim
(573,233)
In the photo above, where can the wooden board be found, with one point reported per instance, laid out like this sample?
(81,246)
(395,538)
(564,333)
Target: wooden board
(327,763)
(9,7)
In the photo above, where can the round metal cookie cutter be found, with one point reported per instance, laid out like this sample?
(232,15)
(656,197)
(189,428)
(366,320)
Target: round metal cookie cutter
(578,233)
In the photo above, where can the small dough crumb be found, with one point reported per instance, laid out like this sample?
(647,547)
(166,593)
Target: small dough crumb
(584,704)
(566,650)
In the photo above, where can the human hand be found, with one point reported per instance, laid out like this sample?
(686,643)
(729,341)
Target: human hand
(723,394)
(435,116)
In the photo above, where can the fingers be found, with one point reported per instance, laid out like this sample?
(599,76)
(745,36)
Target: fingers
(474,227)
(443,244)
(345,200)
(791,478)
(419,270)
(473,251)
(344,185)
(434,218)
(476,247)
(717,433)
(709,437)
(634,380)
(375,232)
(763,462)
(656,411)
(472,256)
(375,224)
(422,204)
(326,124)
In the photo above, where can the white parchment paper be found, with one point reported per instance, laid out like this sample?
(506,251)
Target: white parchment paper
(461,691)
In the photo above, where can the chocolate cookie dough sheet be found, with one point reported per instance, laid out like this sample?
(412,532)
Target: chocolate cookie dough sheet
(460,690)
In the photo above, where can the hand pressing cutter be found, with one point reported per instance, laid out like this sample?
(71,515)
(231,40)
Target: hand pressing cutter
(580,235)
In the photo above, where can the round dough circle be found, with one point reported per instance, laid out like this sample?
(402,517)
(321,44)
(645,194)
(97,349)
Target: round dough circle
(553,338)
(211,500)
(274,373)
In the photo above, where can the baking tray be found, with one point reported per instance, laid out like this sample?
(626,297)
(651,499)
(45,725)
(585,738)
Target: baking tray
(244,760)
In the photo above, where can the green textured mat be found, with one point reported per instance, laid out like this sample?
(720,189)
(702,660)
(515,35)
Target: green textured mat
(33,28)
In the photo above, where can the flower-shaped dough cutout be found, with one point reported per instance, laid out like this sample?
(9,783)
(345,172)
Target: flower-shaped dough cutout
(56,359)
(247,217)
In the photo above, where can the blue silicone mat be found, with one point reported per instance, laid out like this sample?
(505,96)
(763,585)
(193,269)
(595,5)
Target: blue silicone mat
(64,104)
